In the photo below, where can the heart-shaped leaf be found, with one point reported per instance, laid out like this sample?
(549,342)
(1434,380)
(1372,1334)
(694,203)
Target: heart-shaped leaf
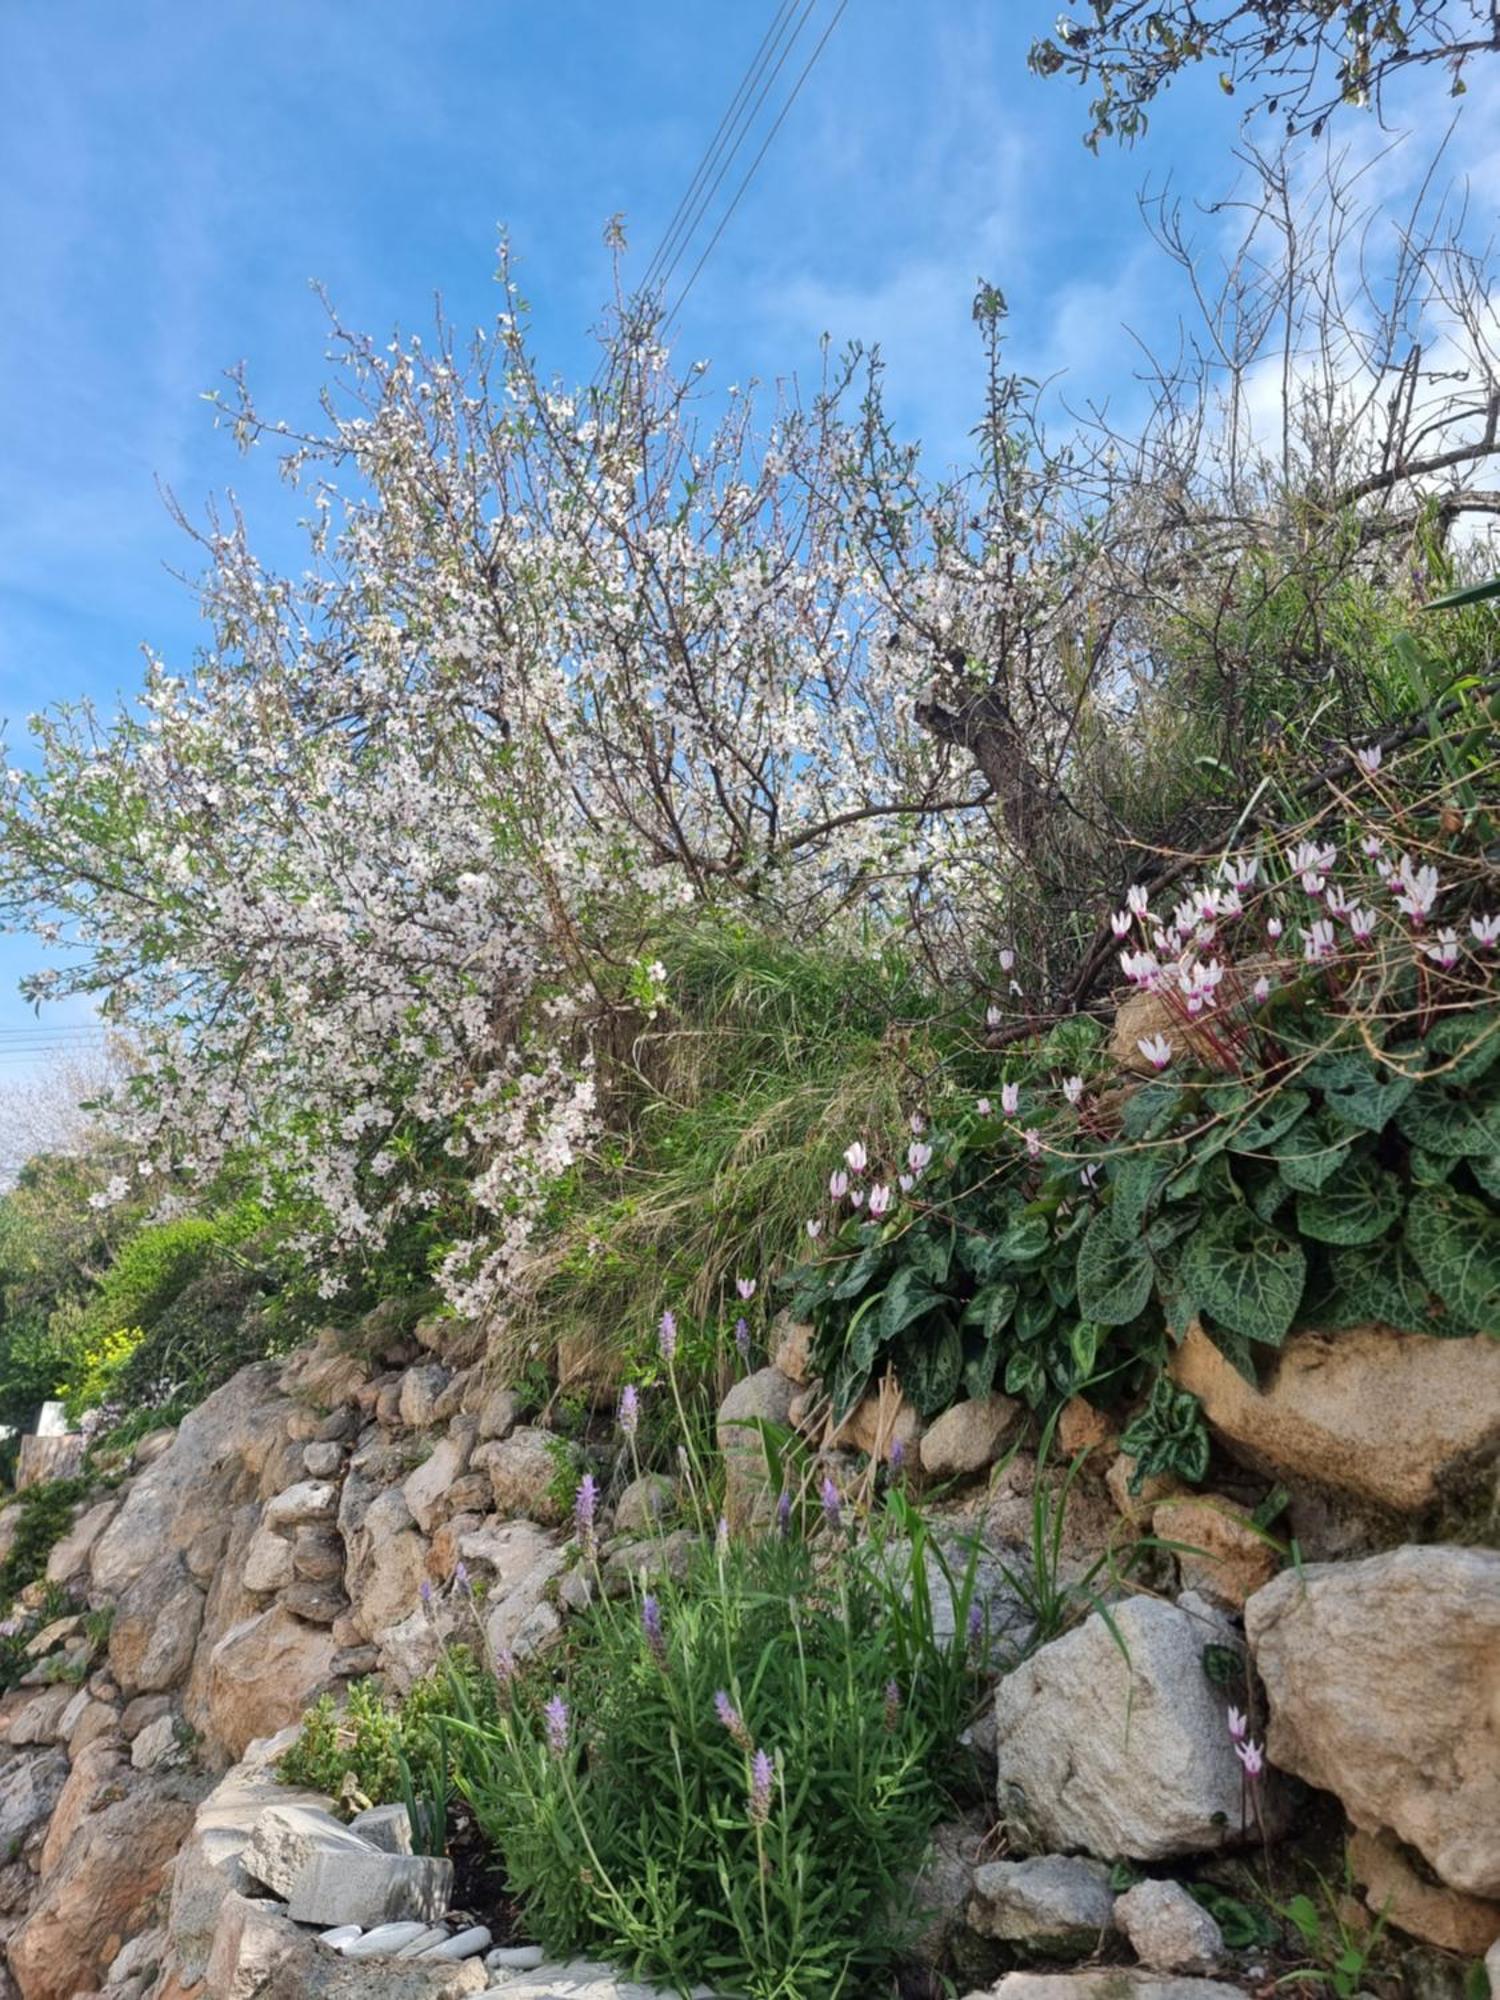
(1356,1206)
(1246,1274)
(1115,1272)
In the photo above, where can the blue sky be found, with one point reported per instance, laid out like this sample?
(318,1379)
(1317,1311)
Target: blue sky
(172,176)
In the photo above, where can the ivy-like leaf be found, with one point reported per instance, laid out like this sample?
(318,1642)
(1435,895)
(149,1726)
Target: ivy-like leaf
(1026,1375)
(907,1298)
(1246,1274)
(1430,1169)
(1355,1207)
(1114,1272)
(1269,1121)
(980,1363)
(1487,1173)
(1151,1110)
(1311,1153)
(991,1308)
(1446,1117)
(1381,1284)
(853,1280)
(1469,1041)
(1024,1240)
(929,1363)
(1083,1347)
(1035,1312)
(1456,1242)
(1358,1092)
(1137,1180)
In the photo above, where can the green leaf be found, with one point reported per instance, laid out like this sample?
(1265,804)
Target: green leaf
(908,1297)
(1115,1272)
(1310,1154)
(991,1308)
(932,1253)
(859,1273)
(1136,1180)
(1446,1117)
(1357,1207)
(1470,1041)
(930,1368)
(1151,1110)
(1456,1242)
(1083,1346)
(1380,1283)
(1035,1312)
(1487,1173)
(1473,593)
(1024,1239)
(1246,1274)
(980,1363)
(1430,1169)
(1357,1092)
(1025,1375)
(1269,1121)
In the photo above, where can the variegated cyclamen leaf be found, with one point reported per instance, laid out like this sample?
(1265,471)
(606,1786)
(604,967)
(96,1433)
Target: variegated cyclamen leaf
(1246,1273)
(1456,1243)
(1356,1206)
(1451,1119)
(1115,1272)
(1308,1156)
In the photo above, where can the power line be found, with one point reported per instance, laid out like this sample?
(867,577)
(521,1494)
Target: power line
(754,164)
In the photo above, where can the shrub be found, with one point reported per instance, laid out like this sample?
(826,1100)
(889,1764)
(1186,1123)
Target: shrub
(739,1779)
(46,1514)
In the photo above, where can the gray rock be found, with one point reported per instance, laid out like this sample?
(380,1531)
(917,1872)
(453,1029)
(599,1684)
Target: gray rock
(317,1603)
(370,1888)
(385,1827)
(969,1437)
(420,1389)
(762,1398)
(1381,1681)
(29,1790)
(514,1957)
(155,1629)
(1113,1984)
(323,1459)
(645,1501)
(1111,1740)
(533,1473)
(288,1837)
(308,1500)
(1056,1903)
(1167,1930)
(157,1747)
(581,1979)
(268,1562)
(426,1488)
(318,1554)
(498,1413)
(251,1939)
(315,1973)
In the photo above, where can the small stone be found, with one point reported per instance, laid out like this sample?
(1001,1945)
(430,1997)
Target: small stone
(467,1944)
(1218,1551)
(316,1603)
(419,1947)
(1116,1983)
(385,1941)
(1168,1930)
(1055,1903)
(353,1663)
(533,1473)
(308,1500)
(749,1499)
(318,1554)
(268,1562)
(645,1501)
(142,1712)
(794,1342)
(1138,1507)
(499,1413)
(419,1392)
(370,1887)
(425,1488)
(1080,1427)
(157,1745)
(969,1437)
(385,1827)
(323,1461)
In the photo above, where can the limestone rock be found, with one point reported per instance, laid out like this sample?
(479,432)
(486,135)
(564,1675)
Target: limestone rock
(1125,1759)
(261,1675)
(1080,1427)
(30,1788)
(286,1838)
(533,1473)
(499,1413)
(155,1628)
(1425,1910)
(1372,1412)
(1383,1679)
(969,1437)
(1218,1552)
(873,1426)
(39,1720)
(793,1340)
(312,1972)
(1116,1983)
(70,1554)
(1057,1904)
(322,1459)
(371,1887)
(102,1891)
(385,1827)
(328,1373)
(1137,1508)
(425,1488)
(157,1746)
(318,1554)
(645,1501)
(317,1603)
(308,1500)
(763,1397)
(1167,1930)
(268,1562)
(419,1393)
(252,1938)
(386,1557)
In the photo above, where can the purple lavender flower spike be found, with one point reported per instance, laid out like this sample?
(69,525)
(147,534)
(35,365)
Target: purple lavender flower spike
(732,1720)
(424,1591)
(630,1409)
(762,1778)
(833,1507)
(667,1336)
(742,1339)
(461,1578)
(651,1626)
(892,1713)
(556,1713)
(784,1513)
(897,1454)
(583,1512)
(975,1627)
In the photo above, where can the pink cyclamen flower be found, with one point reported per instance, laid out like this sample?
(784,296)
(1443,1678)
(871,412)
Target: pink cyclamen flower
(1120,922)
(918,1124)
(983,1107)
(1033,1140)
(1010,1099)
(1369,758)
(838,1184)
(1262,988)
(1072,1088)
(814,1228)
(1156,1049)
(1007,960)
(1239,1725)
(906,1182)
(1274,928)
(1252,1757)
(1138,899)
(856,1157)
(745,1287)
(918,1156)
(1418,889)
(1141,968)
(1372,847)
(1362,923)
(880,1198)
(993,1016)
(1311,863)
(856,1197)
(1485,931)
(1317,943)
(1443,950)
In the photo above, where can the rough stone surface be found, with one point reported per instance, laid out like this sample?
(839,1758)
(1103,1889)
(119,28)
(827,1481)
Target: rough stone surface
(308,1500)
(1137,1508)
(645,1501)
(322,1459)
(369,1887)
(425,1488)
(1167,1930)
(287,1837)
(579,1979)
(252,1938)
(386,1557)
(157,1746)
(1113,1984)
(1425,1910)
(268,1562)
(793,1340)
(499,1413)
(874,1425)
(969,1437)
(1080,1427)
(261,1675)
(155,1628)
(385,1827)
(70,1554)
(420,1390)
(101,1892)
(312,1972)
(318,1554)
(1125,1759)
(1383,1679)
(524,1474)
(30,1788)
(1375,1413)
(764,1397)
(1056,1903)
(1218,1552)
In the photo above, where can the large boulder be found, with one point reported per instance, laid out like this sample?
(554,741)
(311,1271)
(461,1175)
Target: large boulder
(1396,1890)
(30,1788)
(103,1890)
(533,1473)
(1112,1740)
(386,1555)
(1383,1679)
(70,1553)
(261,1675)
(1374,1413)
(155,1627)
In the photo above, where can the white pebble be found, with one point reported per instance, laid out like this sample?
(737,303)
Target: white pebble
(437,1935)
(384,1940)
(465,1945)
(515,1957)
